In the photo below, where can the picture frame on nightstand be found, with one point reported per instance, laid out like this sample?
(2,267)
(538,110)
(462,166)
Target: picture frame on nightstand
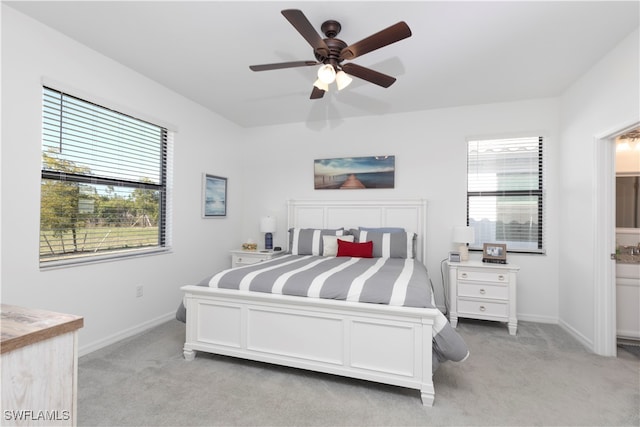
(494,253)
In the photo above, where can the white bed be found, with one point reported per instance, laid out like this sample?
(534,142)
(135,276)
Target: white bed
(386,344)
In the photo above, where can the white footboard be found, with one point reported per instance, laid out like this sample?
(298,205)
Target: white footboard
(390,345)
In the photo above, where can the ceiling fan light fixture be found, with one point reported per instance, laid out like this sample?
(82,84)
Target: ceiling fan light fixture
(342,80)
(329,52)
(327,74)
(321,85)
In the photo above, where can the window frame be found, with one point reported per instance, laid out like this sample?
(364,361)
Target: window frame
(162,187)
(538,192)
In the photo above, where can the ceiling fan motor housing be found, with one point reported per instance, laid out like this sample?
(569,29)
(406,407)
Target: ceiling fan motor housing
(331,29)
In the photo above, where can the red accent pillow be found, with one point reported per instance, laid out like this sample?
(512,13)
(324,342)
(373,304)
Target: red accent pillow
(359,250)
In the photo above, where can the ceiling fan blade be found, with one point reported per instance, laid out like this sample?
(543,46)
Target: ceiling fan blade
(279,65)
(304,27)
(316,93)
(368,74)
(375,41)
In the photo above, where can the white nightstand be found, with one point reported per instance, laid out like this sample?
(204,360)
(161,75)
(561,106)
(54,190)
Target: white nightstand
(487,291)
(240,257)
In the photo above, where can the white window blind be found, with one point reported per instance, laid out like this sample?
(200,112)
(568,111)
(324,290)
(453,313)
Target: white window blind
(505,193)
(104,182)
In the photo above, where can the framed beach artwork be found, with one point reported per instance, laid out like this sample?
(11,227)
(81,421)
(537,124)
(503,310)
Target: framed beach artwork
(354,173)
(214,196)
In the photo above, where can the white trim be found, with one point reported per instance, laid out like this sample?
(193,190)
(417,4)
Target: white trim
(605,334)
(587,343)
(126,333)
(535,318)
(98,259)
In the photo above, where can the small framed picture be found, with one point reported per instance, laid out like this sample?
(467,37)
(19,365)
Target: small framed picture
(494,252)
(214,196)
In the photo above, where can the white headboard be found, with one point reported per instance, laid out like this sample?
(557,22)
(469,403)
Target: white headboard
(410,214)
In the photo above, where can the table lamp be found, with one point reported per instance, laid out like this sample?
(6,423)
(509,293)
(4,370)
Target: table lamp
(268,226)
(463,235)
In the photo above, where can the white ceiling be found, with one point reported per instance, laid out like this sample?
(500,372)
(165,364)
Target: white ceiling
(460,53)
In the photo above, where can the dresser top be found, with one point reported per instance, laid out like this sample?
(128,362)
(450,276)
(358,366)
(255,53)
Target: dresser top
(20,326)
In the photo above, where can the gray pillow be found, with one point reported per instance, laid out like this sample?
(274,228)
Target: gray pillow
(389,245)
(308,241)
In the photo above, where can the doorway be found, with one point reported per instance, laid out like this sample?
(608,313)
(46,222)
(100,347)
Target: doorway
(605,334)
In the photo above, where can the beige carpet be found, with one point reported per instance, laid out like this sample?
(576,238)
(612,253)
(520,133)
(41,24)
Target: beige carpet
(541,377)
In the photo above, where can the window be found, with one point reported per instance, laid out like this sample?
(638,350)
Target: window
(505,193)
(103,183)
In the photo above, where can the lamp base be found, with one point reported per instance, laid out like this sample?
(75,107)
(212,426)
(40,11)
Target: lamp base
(268,241)
(464,252)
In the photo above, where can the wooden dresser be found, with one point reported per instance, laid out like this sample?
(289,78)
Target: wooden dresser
(39,356)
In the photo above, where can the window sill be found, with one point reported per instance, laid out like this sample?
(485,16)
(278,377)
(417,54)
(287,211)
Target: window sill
(121,256)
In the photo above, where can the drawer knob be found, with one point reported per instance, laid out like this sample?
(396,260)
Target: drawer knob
(501,277)
(239,259)
(464,275)
(482,308)
(482,291)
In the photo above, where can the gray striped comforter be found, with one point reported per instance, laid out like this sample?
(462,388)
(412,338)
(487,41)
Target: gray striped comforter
(392,281)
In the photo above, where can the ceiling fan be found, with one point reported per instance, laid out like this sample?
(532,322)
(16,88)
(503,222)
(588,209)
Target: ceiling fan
(330,53)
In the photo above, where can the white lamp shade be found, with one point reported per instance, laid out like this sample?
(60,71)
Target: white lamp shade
(327,73)
(343,80)
(267,224)
(321,85)
(463,234)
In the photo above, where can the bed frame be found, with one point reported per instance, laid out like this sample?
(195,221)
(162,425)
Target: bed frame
(385,344)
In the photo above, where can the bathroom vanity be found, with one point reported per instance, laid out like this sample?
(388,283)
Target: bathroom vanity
(628,284)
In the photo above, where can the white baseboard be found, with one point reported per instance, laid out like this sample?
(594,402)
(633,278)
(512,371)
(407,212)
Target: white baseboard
(628,334)
(577,335)
(537,319)
(97,345)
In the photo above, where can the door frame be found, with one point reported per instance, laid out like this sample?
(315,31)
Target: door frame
(605,328)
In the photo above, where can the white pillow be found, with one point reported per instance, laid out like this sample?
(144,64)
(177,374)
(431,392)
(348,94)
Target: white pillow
(330,244)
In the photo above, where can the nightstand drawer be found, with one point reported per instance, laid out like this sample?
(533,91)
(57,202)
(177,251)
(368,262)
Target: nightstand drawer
(241,257)
(482,308)
(246,260)
(483,290)
(483,276)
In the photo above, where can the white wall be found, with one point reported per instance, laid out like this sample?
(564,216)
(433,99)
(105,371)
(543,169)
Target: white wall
(105,293)
(430,150)
(605,98)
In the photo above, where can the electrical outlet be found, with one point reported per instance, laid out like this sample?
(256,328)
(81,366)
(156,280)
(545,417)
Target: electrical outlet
(139,291)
